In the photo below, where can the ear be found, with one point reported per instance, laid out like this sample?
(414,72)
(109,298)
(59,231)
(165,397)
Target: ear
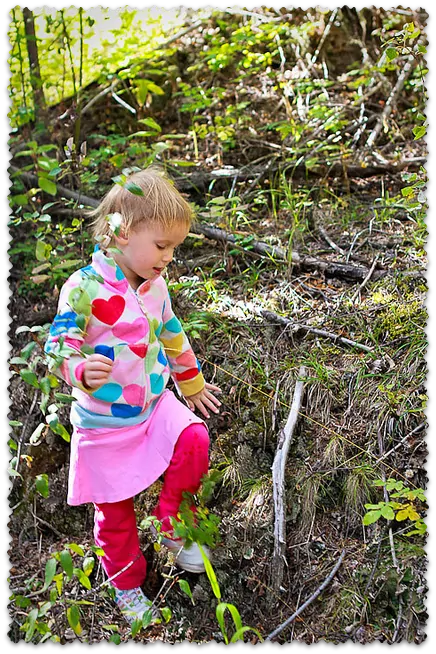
(121,239)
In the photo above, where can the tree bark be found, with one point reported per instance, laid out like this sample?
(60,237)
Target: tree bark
(32,53)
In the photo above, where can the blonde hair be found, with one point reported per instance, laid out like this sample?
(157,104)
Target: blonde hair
(159,203)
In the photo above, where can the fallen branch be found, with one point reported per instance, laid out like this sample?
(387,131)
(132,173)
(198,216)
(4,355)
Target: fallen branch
(417,429)
(346,271)
(278,474)
(313,597)
(297,326)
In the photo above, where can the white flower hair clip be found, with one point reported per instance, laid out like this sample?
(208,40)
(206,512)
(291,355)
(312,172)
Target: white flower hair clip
(115,221)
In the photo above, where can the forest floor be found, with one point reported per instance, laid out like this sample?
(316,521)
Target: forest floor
(358,403)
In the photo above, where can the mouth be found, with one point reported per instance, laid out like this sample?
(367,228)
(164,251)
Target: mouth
(158,270)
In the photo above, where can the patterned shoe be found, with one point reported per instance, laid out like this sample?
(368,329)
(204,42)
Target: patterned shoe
(187,558)
(133,604)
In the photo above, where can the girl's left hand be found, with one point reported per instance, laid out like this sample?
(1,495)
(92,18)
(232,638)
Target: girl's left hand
(204,399)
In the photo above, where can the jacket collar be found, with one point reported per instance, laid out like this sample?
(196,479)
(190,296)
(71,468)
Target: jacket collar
(112,274)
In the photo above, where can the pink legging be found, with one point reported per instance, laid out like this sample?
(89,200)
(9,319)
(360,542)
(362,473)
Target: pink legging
(115,529)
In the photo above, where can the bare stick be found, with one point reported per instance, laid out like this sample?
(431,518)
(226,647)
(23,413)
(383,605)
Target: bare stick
(405,72)
(313,597)
(367,278)
(313,330)
(278,472)
(324,36)
(398,445)
(328,240)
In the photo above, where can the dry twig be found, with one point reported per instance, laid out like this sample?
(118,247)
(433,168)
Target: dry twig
(313,597)
(278,471)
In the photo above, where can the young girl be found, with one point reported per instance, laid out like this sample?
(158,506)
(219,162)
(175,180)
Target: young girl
(116,341)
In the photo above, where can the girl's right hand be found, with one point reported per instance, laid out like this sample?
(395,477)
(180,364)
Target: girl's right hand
(97,370)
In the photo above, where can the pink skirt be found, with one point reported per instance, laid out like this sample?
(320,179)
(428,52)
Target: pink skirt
(110,465)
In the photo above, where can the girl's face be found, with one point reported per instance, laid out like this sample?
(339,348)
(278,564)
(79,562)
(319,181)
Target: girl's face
(147,251)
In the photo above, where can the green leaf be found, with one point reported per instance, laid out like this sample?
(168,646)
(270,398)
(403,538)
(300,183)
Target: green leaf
(64,397)
(76,548)
(150,122)
(147,618)
(31,624)
(67,563)
(73,617)
(42,251)
(115,638)
(17,360)
(136,626)
(27,350)
(81,576)
(371,516)
(52,419)
(134,188)
(29,377)
(240,632)
(19,199)
(185,587)
(419,131)
(41,484)
(44,608)
(47,185)
(64,265)
(88,565)
(166,613)
(59,579)
(210,573)
(391,53)
(387,512)
(154,88)
(98,551)
(221,609)
(50,571)
(45,385)
(61,431)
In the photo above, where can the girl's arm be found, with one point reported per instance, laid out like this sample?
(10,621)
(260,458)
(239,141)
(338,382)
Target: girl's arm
(185,368)
(66,336)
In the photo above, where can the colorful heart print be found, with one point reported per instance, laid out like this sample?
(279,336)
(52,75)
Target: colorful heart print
(156,384)
(133,394)
(151,358)
(140,349)
(109,311)
(108,392)
(131,332)
(125,410)
(105,350)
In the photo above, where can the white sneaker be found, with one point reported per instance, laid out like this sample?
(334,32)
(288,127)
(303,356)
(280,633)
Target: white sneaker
(133,604)
(188,558)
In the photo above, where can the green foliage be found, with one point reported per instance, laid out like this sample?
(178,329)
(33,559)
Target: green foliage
(398,510)
(64,606)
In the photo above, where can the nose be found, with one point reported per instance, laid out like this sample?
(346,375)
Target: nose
(167,257)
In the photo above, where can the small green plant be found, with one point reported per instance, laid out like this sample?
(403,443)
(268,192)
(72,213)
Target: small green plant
(64,570)
(405,506)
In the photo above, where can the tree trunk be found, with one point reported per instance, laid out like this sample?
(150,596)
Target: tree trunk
(32,52)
